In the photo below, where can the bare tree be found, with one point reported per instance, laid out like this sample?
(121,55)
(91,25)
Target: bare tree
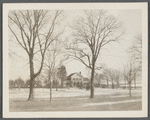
(112,78)
(136,52)
(136,49)
(34,31)
(53,59)
(125,85)
(106,74)
(130,74)
(117,78)
(91,33)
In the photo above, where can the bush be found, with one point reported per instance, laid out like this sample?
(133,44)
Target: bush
(103,86)
(80,86)
(96,85)
(87,87)
(124,87)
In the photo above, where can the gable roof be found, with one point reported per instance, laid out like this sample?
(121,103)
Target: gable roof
(79,74)
(69,76)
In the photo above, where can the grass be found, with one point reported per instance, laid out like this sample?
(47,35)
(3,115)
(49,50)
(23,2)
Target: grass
(79,103)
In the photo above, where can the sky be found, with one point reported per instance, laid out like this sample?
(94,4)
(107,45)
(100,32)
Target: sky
(113,55)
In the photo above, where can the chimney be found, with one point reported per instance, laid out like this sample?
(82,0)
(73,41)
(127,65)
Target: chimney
(80,72)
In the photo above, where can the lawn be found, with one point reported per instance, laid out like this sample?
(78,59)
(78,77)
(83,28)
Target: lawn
(75,100)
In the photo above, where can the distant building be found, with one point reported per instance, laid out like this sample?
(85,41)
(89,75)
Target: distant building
(76,79)
(85,81)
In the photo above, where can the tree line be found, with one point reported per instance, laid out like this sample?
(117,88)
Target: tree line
(19,83)
(38,83)
(131,70)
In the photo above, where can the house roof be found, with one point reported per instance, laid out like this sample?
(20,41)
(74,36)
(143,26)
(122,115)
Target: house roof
(79,75)
(69,76)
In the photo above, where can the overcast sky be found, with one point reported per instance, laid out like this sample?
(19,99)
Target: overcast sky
(113,55)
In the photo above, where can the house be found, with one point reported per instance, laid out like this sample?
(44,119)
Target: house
(85,81)
(76,80)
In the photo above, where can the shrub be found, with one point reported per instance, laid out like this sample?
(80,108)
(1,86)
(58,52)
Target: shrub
(103,86)
(124,87)
(87,87)
(113,86)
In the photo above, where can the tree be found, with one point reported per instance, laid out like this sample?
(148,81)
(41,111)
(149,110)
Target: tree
(27,83)
(136,53)
(124,82)
(136,49)
(91,32)
(129,74)
(117,78)
(38,84)
(19,83)
(53,59)
(106,74)
(55,81)
(112,78)
(39,81)
(11,84)
(34,31)
(61,72)
(46,83)
(55,84)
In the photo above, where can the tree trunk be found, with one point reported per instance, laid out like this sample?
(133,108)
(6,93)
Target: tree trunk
(99,84)
(31,89)
(31,78)
(135,82)
(112,84)
(125,83)
(50,86)
(118,84)
(50,90)
(130,89)
(92,83)
(56,86)
(107,83)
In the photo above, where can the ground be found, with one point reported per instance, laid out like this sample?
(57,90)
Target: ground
(75,99)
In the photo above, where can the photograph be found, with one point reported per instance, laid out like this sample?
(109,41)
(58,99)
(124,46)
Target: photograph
(71,60)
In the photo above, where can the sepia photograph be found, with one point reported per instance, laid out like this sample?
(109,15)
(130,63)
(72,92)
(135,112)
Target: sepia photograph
(75,60)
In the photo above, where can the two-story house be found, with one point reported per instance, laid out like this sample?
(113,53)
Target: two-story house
(76,79)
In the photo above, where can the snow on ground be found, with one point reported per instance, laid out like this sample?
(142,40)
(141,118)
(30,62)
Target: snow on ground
(75,99)
(108,103)
(43,93)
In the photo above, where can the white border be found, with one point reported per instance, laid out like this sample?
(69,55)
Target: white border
(78,114)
